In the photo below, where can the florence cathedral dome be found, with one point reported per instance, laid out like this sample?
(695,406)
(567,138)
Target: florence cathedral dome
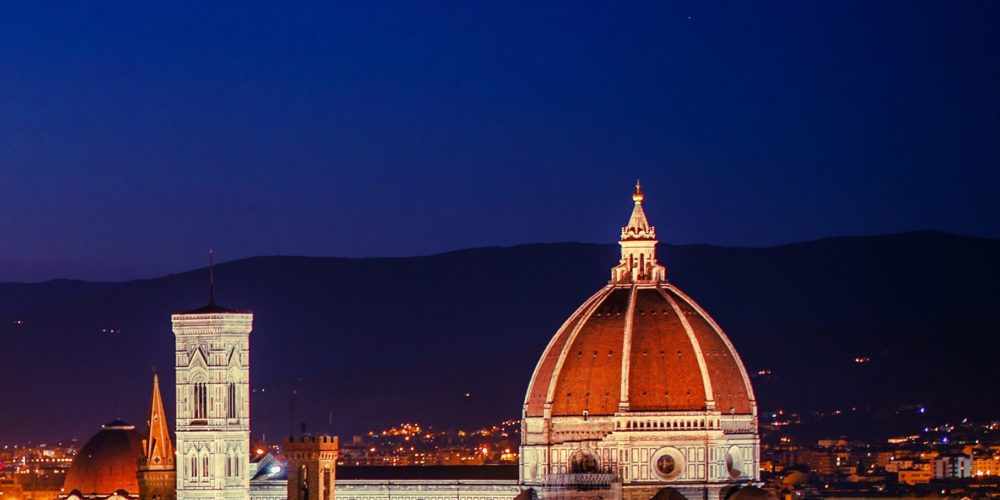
(642,384)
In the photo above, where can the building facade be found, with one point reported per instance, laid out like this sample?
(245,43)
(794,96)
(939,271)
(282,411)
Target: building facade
(952,466)
(213,403)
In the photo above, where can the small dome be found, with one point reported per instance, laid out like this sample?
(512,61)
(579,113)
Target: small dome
(109,462)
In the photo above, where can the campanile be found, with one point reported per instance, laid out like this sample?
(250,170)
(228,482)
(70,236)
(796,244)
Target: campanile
(212,360)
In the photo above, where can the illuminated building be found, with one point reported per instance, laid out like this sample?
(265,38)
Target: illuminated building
(312,467)
(914,476)
(986,465)
(640,390)
(213,402)
(952,466)
(157,471)
(639,395)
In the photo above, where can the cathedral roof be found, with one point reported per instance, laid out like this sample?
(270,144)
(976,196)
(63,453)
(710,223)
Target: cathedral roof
(108,462)
(639,344)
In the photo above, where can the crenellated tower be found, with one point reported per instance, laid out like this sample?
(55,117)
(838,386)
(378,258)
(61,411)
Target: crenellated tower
(312,467)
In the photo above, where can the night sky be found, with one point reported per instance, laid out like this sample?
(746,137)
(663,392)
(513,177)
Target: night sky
(134,137)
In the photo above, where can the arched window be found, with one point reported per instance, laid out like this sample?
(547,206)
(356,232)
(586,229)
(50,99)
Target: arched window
(194,467)
(204,465)
(200,400)
(327,484)
(303,483)
(231,410)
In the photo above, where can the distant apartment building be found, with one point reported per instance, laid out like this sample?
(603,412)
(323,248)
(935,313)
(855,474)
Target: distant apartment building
(840,442)
(914,476)
(986,465)
(907,463)
(952,466)
(899,464)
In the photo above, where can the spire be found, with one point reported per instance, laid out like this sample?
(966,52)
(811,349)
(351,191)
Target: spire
(157,449)
(212,307)
(638,242)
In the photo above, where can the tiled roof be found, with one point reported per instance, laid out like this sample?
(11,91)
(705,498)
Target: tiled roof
(668,332)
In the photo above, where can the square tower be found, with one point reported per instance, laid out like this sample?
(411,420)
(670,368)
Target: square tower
(312,467)
(212,359)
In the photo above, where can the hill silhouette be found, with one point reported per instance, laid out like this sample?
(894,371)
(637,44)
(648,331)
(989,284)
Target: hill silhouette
(370,342)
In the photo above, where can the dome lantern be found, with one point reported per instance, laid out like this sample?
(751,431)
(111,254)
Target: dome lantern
(638,241)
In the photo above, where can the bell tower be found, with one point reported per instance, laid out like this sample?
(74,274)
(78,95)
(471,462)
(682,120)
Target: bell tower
(212,360)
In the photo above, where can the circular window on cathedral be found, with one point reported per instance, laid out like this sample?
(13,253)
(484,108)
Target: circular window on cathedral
(668,463)
(583,462)
(734,462)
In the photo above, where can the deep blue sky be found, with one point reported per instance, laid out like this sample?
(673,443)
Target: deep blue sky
(134,137)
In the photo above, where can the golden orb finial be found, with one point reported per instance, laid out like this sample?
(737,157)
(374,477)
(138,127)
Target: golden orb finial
(637,195)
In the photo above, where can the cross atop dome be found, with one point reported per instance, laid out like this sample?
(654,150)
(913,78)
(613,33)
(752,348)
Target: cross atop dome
(638,241)
(638,227)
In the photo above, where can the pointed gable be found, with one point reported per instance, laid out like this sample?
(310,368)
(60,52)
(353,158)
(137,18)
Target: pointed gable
(157,448)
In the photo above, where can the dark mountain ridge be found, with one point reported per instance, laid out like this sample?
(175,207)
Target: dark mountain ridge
(370,342)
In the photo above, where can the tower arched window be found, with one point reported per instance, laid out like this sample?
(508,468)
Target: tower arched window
(303,482)
(327,484)
(200,400)
(231,407)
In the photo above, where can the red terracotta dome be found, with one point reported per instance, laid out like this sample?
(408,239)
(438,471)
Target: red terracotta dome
(109,462)
(639,344)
